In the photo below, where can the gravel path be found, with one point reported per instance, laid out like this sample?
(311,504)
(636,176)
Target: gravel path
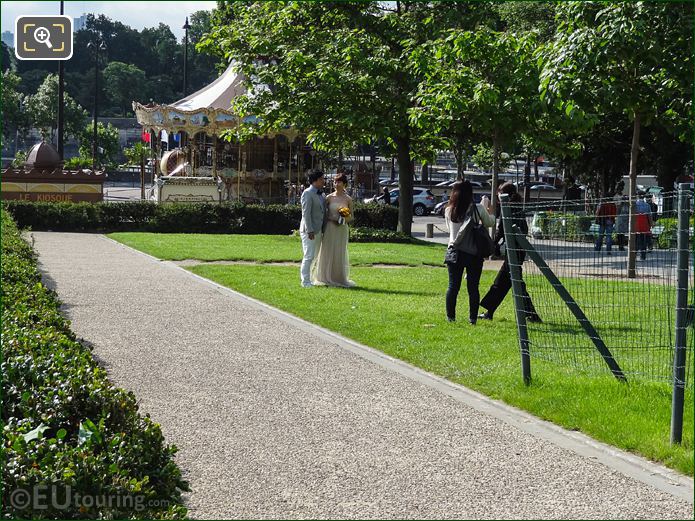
(274,419)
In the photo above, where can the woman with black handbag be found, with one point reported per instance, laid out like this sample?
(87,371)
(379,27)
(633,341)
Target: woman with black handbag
(466,222)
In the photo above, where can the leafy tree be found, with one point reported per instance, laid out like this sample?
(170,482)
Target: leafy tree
(483,157)
(633,58)
(42,110)
(527,17)
(13,117)
(107,141)
(163,53)
(340,71)
(31,79)
(137,155)
(5,57)
(484,77)
(124,83)
(202,66)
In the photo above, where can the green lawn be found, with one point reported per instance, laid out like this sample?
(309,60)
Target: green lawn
(410,325)
(270,248)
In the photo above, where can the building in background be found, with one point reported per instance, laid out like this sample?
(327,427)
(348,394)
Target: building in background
(79,22)
(8,38)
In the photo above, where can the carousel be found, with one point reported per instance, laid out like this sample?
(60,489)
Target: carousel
(194,165)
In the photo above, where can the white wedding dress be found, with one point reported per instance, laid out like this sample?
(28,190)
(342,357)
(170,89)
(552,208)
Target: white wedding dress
(332,265)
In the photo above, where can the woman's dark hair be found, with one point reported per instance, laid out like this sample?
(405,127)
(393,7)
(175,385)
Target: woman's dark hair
(509,188)
(342,178)
(460,201)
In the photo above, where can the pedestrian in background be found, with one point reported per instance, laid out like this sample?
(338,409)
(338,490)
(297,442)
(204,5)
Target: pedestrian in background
(643,225)
(622,221)
(605,218)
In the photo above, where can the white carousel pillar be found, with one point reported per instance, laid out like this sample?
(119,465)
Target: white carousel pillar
(214,156)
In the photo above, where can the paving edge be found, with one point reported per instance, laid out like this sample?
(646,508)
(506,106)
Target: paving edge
(630,465)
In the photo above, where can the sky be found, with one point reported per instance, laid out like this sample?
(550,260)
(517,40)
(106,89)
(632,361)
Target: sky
(137,15)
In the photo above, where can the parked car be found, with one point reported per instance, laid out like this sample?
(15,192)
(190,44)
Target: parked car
(543,187)
(423,200)
(439,209)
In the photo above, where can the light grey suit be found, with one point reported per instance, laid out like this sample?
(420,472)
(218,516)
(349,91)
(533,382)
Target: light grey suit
(313,211)
(313,216)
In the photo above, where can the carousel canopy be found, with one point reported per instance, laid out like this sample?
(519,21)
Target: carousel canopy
(218,95)
(207,110)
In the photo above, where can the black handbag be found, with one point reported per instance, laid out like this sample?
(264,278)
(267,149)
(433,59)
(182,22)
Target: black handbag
(484,244)
(451,256)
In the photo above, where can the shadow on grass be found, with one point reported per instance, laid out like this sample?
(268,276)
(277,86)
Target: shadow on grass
(393,291)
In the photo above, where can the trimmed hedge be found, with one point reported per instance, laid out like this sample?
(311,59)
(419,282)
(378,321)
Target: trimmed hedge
(180,217)
(375,235)
(65,425)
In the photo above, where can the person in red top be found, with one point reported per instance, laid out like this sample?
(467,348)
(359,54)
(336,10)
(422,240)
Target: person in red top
(605,218)
(643,225)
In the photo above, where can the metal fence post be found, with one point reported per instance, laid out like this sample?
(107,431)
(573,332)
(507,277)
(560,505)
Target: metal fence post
(517,289)
(683,267)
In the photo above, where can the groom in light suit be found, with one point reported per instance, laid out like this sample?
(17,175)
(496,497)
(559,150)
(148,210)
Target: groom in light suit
(311,227)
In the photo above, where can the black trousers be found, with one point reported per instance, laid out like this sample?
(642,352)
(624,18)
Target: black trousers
(473,265)
(501,286)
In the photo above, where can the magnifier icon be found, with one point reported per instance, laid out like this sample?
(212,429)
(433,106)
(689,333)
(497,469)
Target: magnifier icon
(42,35)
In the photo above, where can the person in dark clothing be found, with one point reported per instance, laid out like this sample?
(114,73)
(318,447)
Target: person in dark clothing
(572,197)
(503,282)
(606,214)
(387,196)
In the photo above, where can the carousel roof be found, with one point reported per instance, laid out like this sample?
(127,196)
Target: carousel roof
(218,95)
(207,110)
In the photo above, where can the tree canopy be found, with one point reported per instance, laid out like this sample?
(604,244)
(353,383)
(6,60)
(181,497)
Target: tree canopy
(42,109)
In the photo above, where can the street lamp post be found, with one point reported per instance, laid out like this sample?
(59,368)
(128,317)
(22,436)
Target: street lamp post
(61,99)
(186,27)
(97,45)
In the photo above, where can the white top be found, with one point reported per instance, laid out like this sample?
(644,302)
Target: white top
(488,222)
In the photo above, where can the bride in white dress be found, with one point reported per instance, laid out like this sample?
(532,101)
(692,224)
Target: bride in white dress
(332,266)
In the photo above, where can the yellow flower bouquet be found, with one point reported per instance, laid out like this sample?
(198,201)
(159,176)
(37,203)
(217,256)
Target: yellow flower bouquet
(344,214)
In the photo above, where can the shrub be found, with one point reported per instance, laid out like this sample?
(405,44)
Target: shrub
(375,235)
(65,425)
(668,238)
(77,162)
(180,217)
(566,226)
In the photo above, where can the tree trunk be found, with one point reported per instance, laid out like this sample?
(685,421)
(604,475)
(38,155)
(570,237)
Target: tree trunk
(495,172)
(535,169)
(405,185)
(425,175)
(393,168)
(634,153)
(527,178)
